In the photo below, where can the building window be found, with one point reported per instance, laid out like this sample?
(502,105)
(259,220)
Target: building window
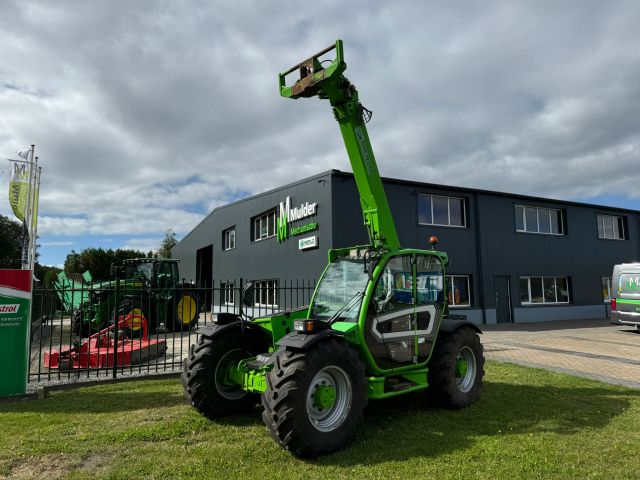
(539,220)
(539,290)
(611,228)
(229,238)
(445,211)
(229,293)
(266,293)
(606,289)
(459,291)
(264,226)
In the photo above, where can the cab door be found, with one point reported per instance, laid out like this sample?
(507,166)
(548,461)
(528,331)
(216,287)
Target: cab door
(430,303)
(404,314)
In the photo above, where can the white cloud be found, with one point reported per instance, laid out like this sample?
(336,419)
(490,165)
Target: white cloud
(142,244)
(61,243)
(149,115)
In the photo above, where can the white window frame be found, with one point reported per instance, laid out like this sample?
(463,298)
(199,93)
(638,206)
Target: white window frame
(264,288)
(453,296)
(227,235)
(229,293)
(544,302)
(606,298)
(257,225)
(524,219)
(464,211)
(615,218)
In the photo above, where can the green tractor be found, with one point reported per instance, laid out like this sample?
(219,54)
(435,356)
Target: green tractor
(147,287)
(377,325)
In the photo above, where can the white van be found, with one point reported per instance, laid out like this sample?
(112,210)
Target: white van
(625,294)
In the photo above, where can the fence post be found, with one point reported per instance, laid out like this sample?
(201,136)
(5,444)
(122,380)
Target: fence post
(115,327)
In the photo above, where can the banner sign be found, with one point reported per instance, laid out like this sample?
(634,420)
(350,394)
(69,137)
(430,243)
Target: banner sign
(18,189)
(15,306)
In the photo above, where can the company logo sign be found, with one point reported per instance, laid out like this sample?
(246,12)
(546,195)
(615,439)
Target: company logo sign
(308,242)
(288,214)
(11,308)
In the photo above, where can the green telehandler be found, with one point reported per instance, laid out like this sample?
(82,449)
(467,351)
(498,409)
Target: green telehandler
(377,325)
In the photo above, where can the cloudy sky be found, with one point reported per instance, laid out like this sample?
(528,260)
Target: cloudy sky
(146,115)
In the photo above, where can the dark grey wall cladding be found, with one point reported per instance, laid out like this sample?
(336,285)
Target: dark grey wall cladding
(348,226)
(486,247)
(264,259)
(578,254)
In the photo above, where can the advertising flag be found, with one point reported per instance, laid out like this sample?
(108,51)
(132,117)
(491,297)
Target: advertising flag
(18,189)
(25,153)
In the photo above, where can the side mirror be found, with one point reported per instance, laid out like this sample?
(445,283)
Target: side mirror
(248,294)
(370,266)
(371,259)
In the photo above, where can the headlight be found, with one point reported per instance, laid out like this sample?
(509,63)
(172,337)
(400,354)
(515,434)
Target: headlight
(304,326)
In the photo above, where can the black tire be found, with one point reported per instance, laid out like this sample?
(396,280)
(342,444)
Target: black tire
(201,375)
(184,312)
(291,413)
(452,384)
(135,307)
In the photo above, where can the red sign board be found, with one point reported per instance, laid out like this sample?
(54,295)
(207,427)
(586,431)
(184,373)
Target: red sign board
(15,305)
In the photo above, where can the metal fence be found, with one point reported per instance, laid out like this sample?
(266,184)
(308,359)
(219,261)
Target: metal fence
(93,332)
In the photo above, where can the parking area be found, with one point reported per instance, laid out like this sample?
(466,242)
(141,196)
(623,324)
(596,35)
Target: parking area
(587,348)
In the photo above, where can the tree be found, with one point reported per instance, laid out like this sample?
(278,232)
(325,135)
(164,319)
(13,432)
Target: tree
(167,244)
(10,243)
(72,262)
(46,274)
(98,261)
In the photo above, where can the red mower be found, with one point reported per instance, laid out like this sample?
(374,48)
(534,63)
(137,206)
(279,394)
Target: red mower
(102,349)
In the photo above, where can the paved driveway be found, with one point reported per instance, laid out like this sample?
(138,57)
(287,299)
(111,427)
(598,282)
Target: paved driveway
(586,348)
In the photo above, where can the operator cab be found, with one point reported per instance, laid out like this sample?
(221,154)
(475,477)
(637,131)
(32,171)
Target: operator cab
(161,273)
(398,298)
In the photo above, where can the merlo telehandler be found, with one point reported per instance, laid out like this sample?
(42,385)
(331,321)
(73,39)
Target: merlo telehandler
(376,327)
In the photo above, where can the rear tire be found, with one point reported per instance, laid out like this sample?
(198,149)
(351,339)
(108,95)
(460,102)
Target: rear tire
(203,374)
(297,415)
(456,369)
(185,311)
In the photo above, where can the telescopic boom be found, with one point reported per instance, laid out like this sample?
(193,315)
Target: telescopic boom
(329,83)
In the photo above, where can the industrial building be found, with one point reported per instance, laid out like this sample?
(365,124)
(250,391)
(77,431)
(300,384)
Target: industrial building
(514,258)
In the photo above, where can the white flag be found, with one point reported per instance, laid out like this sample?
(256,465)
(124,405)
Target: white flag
(24,153)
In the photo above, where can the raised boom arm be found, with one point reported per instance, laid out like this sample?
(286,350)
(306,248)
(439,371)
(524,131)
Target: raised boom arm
(329,83)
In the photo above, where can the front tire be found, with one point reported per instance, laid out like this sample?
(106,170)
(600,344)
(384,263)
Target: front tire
(136,310)
(203,377)
(456,369)
(315,398)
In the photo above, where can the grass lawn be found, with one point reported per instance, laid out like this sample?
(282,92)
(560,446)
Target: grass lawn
(529,424)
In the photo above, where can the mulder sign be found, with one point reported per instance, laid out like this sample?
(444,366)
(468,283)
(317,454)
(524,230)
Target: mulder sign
(287,215)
